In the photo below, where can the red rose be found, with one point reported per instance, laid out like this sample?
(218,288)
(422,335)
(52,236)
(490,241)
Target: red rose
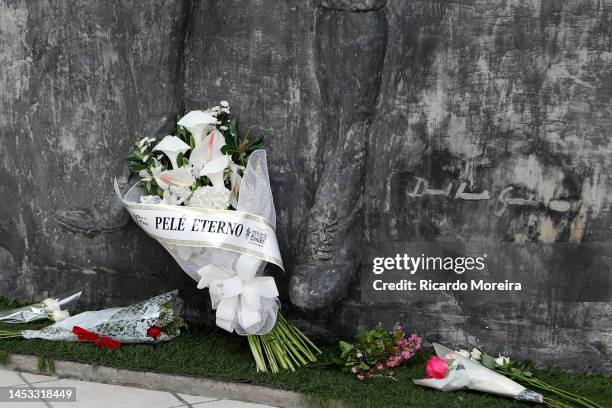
(153,332)
(436,368)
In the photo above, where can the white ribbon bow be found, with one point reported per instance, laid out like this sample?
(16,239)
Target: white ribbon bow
(236,294)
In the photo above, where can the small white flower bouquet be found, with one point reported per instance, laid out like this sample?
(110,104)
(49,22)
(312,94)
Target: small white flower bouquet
(453,370)
(204,195)
(50,308)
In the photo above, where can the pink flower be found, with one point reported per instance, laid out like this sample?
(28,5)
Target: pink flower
(401,342)
(360,377)
(436,368)
(354,370)
(380,366)
(407,354)
(393,361)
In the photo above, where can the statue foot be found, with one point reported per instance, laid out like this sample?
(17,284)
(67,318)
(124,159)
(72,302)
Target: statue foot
(320,285)
(328,264)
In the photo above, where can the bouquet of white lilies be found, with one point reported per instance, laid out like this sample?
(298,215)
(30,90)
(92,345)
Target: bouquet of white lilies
(204,194)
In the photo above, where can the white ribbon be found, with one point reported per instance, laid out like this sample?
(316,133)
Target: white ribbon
(185,227)
(239,296)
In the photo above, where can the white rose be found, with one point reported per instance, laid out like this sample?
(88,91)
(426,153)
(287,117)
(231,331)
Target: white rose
(476,354)
(51,304)
(59,315)
(502,361)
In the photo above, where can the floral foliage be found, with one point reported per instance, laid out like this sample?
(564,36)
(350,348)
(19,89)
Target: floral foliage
(375,352)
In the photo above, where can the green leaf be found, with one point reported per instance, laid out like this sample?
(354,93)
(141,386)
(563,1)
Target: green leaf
(136,167)
(488,361)
(179,159)
(345,347)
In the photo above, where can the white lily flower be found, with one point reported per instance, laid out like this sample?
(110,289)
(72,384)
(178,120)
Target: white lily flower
(145,158)
(214,170)
(207,159)
(59,315)
(172,146)
(464,353)
(502,361)
(476,354)
(198,123)
(179,178)
(235,181)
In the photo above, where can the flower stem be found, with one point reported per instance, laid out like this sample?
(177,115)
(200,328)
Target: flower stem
(284,347)
(10,334)
(536,383)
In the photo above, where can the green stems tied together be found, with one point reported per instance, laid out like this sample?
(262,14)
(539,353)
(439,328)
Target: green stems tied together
(543,386)
(9,334)
(285,347)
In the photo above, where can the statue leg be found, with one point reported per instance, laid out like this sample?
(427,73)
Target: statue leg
(350,54)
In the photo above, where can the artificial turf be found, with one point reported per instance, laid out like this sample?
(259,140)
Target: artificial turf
(215,354)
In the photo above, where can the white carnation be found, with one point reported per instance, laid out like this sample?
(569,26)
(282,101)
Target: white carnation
(217,198)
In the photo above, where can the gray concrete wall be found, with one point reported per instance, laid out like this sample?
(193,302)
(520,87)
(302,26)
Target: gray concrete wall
(358,99)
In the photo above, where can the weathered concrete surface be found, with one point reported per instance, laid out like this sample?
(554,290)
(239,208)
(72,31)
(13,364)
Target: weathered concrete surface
(358,99)
(164,382)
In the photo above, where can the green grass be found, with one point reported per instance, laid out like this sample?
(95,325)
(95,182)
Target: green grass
(214,354)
